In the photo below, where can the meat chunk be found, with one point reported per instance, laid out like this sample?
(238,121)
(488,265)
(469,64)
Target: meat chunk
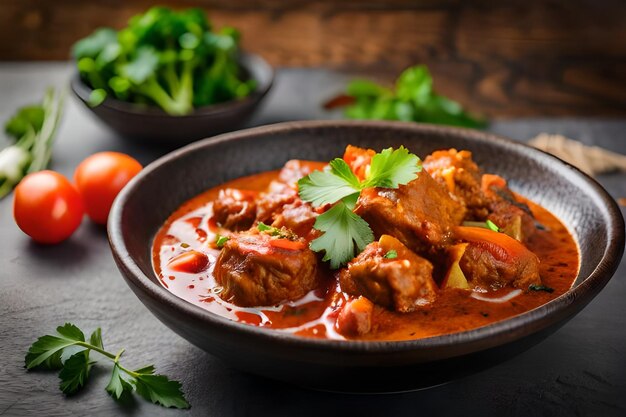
(421,214)
(235,209)
(461,176)
(298,217)
(494,260)
(284,190)
(485,196)
(513,217)
(355,318)
(257,269)
(390,275)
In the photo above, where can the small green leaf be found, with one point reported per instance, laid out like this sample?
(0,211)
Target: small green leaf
(492,226)
(145,370)
(534,287)
(262,227)
(25,120)
(75,372)
(392,254)
(96,97)
(359,88)
(329,186)
(47,349)
(118,387)
(220,241)
(160,390)
(96,338)
(143,66)
(391,168)
(343,230)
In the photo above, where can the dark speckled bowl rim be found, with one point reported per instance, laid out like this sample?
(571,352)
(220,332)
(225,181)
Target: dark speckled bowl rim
(246,59)
(498,333)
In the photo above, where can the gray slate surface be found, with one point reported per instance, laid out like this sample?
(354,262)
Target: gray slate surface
(580,370)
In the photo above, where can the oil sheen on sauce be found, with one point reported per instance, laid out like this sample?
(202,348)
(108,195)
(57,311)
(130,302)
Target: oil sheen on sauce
(315,314)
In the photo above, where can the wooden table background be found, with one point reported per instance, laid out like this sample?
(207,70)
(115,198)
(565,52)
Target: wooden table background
(501,58)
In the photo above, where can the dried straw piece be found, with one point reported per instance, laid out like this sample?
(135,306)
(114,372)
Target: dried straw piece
(589,159)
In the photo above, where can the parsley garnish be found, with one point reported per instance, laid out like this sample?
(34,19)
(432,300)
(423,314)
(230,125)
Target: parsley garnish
(338,185)
(545,288)
(392,254)
(68,351)
(281,233)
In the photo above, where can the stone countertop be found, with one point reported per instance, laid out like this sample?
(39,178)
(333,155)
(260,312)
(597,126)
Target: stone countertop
(580,370)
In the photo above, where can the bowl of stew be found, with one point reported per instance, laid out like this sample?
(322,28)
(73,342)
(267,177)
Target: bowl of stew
(485,250)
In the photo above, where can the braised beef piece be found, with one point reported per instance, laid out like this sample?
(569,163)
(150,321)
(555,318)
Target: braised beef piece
(514,218)
(420,214)
(355,317)
(483,270)
(485,196)
(390,275)
(493,260)
(256,269)
(235,209)
(282,196)
(462,178)
(297,216)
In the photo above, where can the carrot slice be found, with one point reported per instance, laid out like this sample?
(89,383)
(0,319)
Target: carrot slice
(190,262)
(287,244)
(500,245)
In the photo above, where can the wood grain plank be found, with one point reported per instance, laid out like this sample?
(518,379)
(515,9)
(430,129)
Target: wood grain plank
(500,58)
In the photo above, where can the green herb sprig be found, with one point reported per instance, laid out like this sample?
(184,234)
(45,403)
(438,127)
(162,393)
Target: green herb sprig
(171,59)
(413,100)
(68,351)
(343,230)
(33,129)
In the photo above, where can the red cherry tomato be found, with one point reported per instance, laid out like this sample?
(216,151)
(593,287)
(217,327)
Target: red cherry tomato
(47,207)
(100,177)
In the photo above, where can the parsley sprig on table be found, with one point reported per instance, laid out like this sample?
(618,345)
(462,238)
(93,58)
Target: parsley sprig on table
(342,228)
(69,351)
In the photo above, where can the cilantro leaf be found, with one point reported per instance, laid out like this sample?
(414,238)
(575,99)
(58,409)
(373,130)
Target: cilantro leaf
(390,168)
(160,390)
(329,186)
(118,387)
(75,372)
(343,230)
(145,370)
(413,99)
(392,254)
(220,240)
(46,351)
(96,338)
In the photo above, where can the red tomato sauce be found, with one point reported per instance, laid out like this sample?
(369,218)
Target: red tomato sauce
(315,315)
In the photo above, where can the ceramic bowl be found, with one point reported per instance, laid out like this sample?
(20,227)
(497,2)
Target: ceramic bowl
(581,203)
(153,126)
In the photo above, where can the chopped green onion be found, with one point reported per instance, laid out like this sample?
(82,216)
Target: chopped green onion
(220,240)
